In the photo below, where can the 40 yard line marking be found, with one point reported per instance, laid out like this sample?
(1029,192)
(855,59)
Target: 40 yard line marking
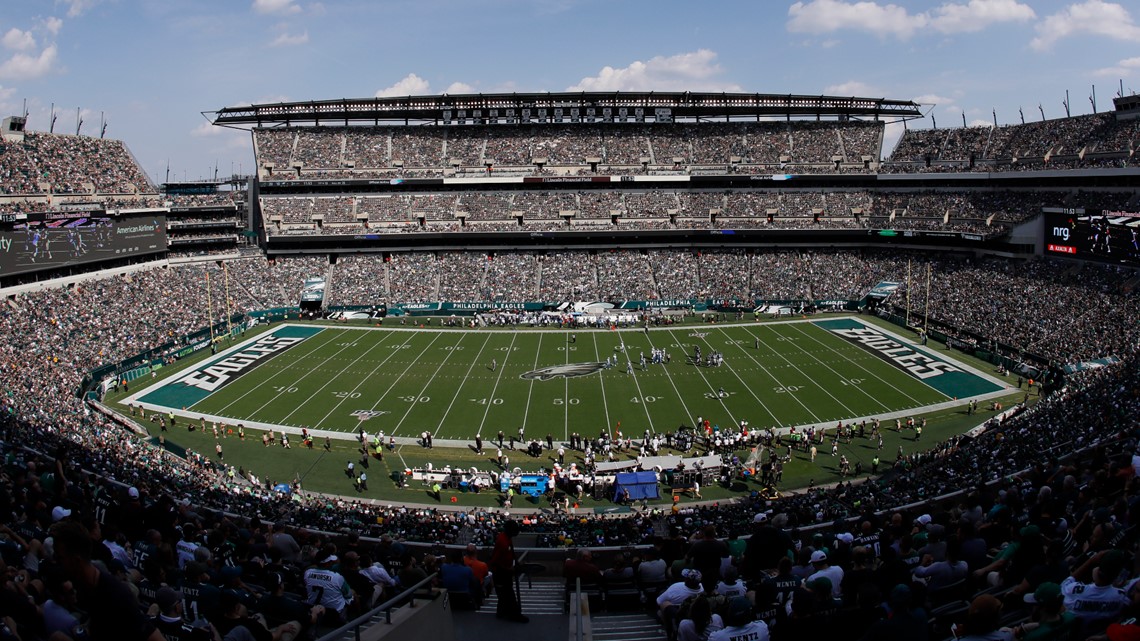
(665,368)
(640,396)
(601,381)
(530,388)
(495,387)
(478,358)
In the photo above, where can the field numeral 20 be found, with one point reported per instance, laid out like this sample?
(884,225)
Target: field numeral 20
(788,389)
(346,394)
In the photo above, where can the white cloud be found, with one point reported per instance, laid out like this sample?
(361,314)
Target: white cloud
(693,71)
(207,130)
(52,25)
(281,7)
(18,40)
(76,8)
(852,88)
(290,40)
(976,15)
(1094,17)
(459,88)
(409,85)
(1121,69)
(23,66)
(978,122)
(883,20)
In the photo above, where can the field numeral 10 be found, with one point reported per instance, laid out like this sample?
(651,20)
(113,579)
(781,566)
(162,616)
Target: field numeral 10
(282,389)
(852,381)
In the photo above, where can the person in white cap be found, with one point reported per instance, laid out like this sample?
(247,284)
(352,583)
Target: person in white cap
(328,588)
(823,568)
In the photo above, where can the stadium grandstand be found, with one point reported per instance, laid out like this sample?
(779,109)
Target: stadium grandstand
(1007,255)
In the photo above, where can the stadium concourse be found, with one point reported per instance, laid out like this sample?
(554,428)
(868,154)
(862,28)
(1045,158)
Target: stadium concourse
(1028,523)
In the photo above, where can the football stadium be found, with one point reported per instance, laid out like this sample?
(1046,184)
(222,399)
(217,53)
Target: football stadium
(651,364)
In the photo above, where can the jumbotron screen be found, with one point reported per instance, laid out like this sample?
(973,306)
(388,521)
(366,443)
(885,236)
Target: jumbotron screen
(1106,236)
(53,240)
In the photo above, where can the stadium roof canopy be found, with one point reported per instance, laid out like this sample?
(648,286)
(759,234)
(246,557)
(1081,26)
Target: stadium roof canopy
(512,108)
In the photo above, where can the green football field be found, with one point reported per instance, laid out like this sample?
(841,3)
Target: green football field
(459,383)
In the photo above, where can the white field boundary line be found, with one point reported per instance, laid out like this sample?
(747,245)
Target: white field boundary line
(458,390)
(943,355)
(554,330)
(840,354)
(495,387)
(363,379)
(135,398)
(700,371)
(775,420)
(530,388)
(601,382)
(412,405)
(673,384)
(330,380)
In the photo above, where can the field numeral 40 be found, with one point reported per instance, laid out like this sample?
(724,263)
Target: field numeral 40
(643,399)
(489,401)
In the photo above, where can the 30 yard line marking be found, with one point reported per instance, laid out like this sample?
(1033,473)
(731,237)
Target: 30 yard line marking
(495,387)
(435,336)
(478,357)
(412,405)
(748,387)
(601,380)
(665,368)
(711,389)
(640,396)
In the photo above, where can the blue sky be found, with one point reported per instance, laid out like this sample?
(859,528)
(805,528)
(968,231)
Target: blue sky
(151,66)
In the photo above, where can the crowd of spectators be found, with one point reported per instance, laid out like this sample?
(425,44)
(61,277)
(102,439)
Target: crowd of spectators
(61,164)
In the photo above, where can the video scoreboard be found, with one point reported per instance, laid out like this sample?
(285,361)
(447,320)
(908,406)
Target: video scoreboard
(1105,236)
(46,241)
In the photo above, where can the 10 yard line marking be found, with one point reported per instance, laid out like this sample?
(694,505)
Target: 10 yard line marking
(333,335)
(487,337)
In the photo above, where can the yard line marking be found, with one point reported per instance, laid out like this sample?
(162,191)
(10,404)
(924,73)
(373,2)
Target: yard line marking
(333,335)
(364,378)
(840,354)
(530,389)
(415,360)
(692,417)
(495,387)
(916,401)
(412,405)
(763,342)
(601,381)
(329,381)
(751,391)
(640,396)
(566,395)
(478,358)
(790,364)
(711,389)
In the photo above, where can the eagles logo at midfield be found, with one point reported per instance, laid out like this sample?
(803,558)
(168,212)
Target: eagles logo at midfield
(570,370)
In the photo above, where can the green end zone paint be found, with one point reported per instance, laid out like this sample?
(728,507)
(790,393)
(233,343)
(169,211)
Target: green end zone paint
(196,384)
(949,377)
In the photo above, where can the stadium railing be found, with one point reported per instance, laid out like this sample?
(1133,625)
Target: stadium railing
(382,611)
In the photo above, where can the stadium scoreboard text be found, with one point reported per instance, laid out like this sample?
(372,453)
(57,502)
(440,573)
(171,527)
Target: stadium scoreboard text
(37,242)
(1105,236)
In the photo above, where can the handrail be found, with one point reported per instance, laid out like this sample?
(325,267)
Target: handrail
(356,624)
(578,610)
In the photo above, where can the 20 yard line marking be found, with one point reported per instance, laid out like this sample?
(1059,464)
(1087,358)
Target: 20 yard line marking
(330,380)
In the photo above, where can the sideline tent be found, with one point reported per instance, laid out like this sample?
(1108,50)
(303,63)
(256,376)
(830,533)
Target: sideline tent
(641,485)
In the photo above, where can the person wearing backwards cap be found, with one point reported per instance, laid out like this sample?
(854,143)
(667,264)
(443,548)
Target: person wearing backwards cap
(328,588)
(671,599)
(740,623)
(1050,620)
(823,569)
